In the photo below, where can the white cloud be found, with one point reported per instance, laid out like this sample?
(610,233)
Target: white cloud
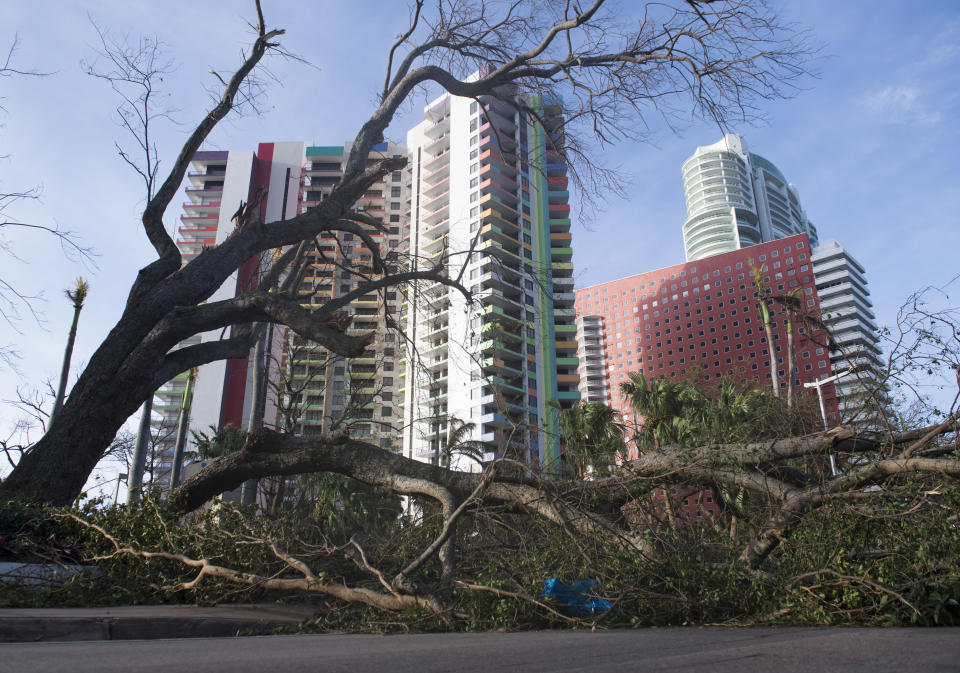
(901,105)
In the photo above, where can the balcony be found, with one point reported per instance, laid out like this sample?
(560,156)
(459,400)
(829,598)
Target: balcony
(440,127)
(501,176)
(197,219)
(508,239)
(438,145)
(497,313)
(501,207)
(506,350)
(493,217)
(502,193)
(497,298)
(438,162)
(203,192)
(494,249)
(435,246)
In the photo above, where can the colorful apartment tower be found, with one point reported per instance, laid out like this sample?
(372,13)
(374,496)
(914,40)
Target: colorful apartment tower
(310,389)
(489,202)
(329,390)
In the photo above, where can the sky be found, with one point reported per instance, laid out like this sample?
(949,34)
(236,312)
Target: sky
(871,143)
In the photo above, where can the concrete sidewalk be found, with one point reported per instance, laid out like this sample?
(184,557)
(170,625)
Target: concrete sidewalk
(144,621)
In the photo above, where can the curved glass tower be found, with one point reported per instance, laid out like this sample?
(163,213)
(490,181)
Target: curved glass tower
(736,199)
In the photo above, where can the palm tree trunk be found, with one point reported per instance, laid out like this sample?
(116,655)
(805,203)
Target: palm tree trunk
(789,359)
(248,493)
(182,426)
(67,356)
(771,349)
(135,481)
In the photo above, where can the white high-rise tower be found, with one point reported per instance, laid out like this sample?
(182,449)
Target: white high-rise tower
(737,199)
(490,204)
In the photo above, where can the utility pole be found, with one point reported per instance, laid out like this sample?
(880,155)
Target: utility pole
(823,412)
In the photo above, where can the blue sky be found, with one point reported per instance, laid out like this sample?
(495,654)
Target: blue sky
(871,144)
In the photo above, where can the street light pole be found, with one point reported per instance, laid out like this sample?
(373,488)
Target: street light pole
(823,412)
(120,477)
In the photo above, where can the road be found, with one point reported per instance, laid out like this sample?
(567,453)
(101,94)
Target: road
(686,650)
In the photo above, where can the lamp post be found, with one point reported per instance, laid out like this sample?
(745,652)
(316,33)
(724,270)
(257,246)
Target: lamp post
(823,412)
(120,477)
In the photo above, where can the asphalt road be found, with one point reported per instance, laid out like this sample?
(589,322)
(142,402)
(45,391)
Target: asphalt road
(686,650)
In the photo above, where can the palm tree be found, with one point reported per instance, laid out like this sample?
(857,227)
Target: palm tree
(458,443)
(734,413)
(792,306)
(218,443)
(671,411)
(767,324)
(592,437)
(77,296)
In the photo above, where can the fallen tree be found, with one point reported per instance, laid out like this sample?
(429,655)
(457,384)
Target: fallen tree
(766,468)
(714,59)
(484,538)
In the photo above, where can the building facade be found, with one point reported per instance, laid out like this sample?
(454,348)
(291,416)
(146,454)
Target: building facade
(309,390)
(736,199)
(325,391)
(216,185)
(489,203)
(699,322)
(591,351)
(848,314)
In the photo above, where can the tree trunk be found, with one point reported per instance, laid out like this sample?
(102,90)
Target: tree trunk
(789,359)
(182,426)
(116,381)
(771,349)
(248,493)
(65,369)
(135,483)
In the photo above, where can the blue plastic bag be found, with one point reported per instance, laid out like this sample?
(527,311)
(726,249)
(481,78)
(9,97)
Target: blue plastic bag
(576,598)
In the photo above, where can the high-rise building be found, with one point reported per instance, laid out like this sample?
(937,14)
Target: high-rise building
(217,184)
(325,389)
(489,202)
(736,199)
(593,363)
(309,389)
(698,321)
(847,312)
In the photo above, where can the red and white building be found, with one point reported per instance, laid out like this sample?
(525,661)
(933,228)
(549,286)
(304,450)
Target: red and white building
(699,322)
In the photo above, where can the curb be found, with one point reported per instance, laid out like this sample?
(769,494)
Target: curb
(144,622)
